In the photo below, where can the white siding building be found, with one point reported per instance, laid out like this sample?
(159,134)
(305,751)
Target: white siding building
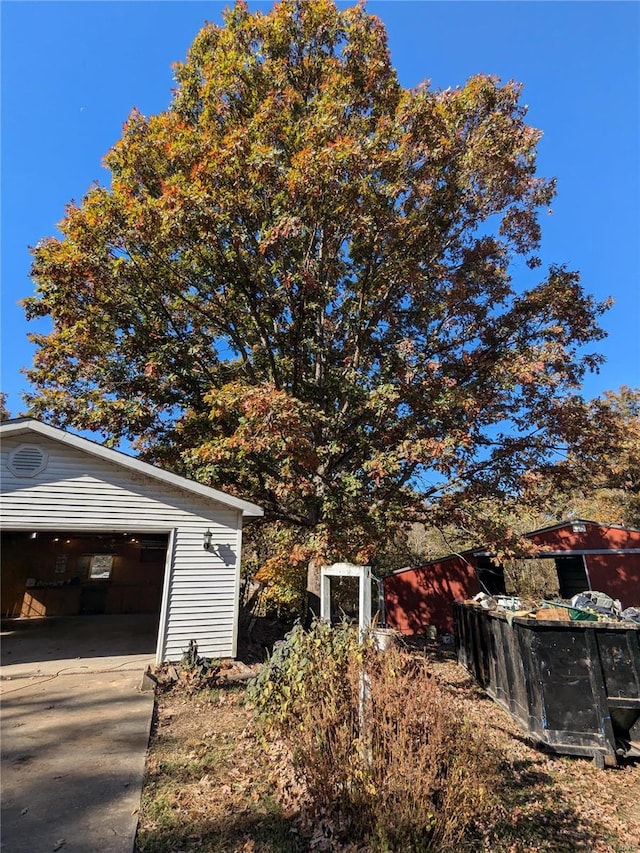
(87,529)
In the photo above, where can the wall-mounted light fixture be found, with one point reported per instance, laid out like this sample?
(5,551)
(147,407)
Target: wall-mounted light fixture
(578,527)
(208,546)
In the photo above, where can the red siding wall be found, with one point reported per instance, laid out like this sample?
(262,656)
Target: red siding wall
(417,598)
(596,537)
(423,596)
(616,574)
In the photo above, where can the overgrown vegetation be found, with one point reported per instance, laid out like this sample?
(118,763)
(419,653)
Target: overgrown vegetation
(212,787)
(531,578)
(378,745)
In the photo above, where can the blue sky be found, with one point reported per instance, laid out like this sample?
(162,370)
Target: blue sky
(72,71)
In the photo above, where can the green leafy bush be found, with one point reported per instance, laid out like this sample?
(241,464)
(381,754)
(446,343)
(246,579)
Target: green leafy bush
(379,746)
(306,664)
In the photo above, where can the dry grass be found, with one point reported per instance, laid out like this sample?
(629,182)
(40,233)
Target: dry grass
(212,787)
(548,802)
(207,785)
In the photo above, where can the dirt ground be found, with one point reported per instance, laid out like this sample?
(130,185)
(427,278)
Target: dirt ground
(212,786)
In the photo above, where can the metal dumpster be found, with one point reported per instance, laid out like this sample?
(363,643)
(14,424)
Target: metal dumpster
(572,686)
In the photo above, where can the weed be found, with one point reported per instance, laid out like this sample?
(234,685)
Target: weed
(381,748)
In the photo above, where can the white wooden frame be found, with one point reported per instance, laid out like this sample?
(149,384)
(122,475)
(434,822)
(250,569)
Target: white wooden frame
(341,570)
(161,643)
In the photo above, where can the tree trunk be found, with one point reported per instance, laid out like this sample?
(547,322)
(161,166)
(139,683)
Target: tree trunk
(313,592)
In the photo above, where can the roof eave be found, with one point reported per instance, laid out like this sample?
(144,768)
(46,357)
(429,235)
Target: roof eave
(20,426)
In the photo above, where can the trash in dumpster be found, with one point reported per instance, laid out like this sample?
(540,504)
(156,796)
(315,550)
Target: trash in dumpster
(598,601)
(575,614)
(509,602)
(631,614)
(549,611)
(486,601)
(588,606)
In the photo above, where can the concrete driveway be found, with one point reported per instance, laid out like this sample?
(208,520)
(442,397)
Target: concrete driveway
(75,728)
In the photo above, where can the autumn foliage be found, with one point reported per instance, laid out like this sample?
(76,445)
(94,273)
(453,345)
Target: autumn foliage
(300,287)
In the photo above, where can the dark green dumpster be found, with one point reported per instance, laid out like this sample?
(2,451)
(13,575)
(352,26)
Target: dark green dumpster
(572,686)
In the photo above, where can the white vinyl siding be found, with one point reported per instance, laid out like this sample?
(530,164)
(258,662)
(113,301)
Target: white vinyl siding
(78,491)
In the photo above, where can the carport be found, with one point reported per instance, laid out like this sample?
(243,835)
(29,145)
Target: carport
(586,555)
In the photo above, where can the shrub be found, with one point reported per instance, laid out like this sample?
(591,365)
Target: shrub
(307,664)
(380,747)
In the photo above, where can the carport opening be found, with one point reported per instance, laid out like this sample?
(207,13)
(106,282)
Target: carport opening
(60,574)
(535,577)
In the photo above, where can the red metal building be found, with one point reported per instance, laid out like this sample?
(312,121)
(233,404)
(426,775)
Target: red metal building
(587,555)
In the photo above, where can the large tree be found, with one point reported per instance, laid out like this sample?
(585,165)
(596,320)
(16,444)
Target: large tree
(599,478)
(316,287)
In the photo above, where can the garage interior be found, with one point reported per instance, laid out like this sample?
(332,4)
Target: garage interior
(65,573)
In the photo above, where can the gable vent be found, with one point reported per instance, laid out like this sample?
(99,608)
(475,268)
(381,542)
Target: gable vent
(27,460)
